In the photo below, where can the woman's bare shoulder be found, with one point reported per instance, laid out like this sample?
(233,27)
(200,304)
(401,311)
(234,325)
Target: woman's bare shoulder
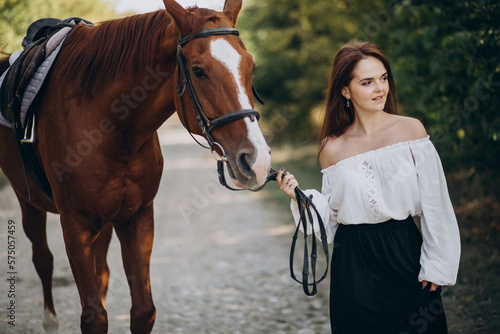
(331,151)
(408,128)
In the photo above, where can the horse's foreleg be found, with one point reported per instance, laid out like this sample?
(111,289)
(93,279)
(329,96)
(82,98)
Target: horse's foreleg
(101,251)
(136,239)
(80,234)
(34,225)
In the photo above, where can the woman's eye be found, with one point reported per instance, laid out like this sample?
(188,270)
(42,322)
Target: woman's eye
(366,83)
(198,73)
(384,79)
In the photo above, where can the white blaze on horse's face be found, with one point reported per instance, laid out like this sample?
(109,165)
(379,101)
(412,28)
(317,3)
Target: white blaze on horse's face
(225,53)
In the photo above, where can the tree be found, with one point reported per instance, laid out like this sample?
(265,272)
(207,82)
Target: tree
(294,43)
(17,15)
(446,56)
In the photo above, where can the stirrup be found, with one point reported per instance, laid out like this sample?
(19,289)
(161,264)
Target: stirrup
(29,134)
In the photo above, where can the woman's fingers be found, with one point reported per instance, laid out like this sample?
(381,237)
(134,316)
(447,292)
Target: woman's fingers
(433,286)
(287,183)
(279,176)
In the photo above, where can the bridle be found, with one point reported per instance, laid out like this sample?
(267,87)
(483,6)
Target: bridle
(206,124)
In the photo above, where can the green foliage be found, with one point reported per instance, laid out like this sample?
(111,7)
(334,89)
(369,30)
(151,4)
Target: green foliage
(294,43)
(17,15)
(446,56)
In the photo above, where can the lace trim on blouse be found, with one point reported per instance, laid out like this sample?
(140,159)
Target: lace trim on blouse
(371,189)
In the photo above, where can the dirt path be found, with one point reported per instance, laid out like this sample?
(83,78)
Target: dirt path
(219,263)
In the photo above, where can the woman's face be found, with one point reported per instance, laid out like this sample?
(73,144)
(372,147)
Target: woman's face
(369,88)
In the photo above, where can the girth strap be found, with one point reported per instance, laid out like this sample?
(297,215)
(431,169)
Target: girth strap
(16,80)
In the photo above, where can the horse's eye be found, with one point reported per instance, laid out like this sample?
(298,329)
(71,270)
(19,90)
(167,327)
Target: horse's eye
(198,72)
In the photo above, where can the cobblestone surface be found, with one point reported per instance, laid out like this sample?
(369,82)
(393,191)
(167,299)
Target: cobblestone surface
(219,263)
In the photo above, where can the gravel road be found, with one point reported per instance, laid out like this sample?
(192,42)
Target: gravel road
(219,263)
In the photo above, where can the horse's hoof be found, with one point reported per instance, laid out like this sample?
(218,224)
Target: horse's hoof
(50,323)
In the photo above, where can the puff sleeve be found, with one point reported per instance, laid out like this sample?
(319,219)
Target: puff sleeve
(440,254)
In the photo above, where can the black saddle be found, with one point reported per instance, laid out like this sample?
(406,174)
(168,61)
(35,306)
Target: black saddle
(22,70)
(15,82)
(46,27)
(39,29)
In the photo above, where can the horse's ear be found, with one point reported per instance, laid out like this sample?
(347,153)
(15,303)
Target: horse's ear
(181,16)
(232,8)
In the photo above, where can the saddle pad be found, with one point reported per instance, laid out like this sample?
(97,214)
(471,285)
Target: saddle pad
(53,47)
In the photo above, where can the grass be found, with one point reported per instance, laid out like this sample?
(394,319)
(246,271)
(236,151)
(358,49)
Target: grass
(477,293)
(473,304)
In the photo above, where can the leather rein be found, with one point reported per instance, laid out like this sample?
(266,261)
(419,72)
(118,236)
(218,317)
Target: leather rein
(207,125)
(306,208)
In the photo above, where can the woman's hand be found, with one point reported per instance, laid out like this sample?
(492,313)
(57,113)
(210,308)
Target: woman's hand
(287,183)
(433,286)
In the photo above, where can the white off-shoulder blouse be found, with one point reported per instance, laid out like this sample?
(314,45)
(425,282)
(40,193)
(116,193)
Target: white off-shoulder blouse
(394,182)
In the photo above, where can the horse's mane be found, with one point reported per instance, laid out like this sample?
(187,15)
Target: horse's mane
(118,46)
(100,53)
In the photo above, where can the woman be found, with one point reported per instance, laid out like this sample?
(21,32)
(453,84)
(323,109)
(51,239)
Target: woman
(380,170)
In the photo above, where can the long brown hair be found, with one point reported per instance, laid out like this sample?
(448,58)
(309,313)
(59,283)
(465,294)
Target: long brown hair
(338,117)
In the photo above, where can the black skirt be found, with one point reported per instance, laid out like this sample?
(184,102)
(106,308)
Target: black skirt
(374,282)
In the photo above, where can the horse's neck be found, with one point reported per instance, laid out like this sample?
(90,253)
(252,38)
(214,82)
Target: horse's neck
(147,100)
(123,69)
(143,107)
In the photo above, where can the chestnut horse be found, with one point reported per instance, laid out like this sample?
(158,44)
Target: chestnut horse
(111,88)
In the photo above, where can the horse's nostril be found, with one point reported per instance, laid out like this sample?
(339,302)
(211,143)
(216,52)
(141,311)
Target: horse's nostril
(245,162)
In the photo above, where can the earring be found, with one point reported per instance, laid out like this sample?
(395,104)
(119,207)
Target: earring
(348,104)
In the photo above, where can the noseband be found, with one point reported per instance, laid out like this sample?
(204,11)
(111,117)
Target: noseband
(207,125)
